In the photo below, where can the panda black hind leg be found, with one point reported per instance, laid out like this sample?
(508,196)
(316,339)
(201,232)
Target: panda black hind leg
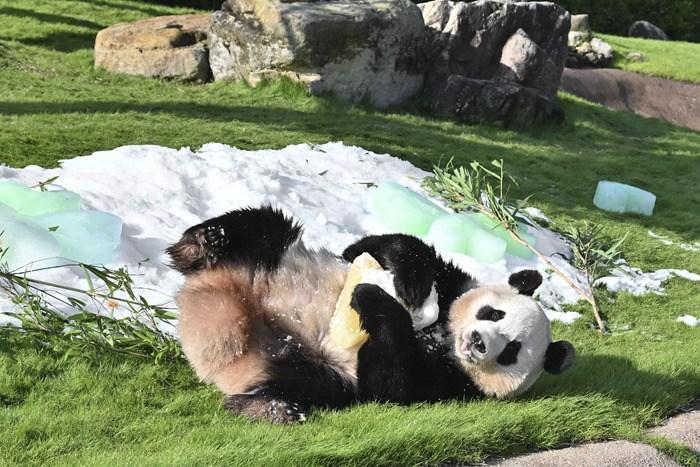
(263,407)
(250,237)
(390,361)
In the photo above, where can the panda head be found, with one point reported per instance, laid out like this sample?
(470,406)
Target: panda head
(502,338)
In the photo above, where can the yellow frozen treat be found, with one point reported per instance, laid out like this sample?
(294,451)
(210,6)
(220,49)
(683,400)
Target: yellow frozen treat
(345,329)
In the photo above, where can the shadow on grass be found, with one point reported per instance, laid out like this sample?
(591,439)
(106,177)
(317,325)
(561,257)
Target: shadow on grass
(63,41)
(617,377)
(49,17)
(122,6)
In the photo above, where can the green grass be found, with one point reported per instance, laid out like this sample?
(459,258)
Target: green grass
(665,59)
(53,105)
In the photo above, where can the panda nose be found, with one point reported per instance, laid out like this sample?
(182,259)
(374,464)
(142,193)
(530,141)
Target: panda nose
(477,342)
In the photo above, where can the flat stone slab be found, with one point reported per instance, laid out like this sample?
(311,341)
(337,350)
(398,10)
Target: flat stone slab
(683,429)
(610,454)
(677,102)
(160,47)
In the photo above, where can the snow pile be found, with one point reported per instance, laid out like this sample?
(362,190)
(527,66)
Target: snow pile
(159,192)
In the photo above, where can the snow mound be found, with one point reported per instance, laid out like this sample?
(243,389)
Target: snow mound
(159,192)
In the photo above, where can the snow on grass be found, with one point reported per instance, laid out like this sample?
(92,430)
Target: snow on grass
(693,247)
(634,281)
(691,321)
(159,192)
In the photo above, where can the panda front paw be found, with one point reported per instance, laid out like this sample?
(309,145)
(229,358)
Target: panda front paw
(377,308)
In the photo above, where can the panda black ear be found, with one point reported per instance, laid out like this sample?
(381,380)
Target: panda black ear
(525,281)
(559,357)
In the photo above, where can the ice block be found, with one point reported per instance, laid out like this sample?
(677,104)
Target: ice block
(345,329)
(85,236)
(640,201)
(460,233)
(30,202)
(7,211)
(512,246)
(24,243)
(403,210)
(621,198)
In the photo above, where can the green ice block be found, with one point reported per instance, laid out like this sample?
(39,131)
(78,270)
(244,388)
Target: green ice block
(512,246)
(85,236)
(640,201)
(24,242)
(403,210)
(29,202)
(611,196)
(459,233)
(621,198)
(6,211)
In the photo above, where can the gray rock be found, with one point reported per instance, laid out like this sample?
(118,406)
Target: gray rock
(580,30)
(636,57)
(595,53)
(162,47)
(684,429)
(612,454)
(494,61)
(577,38)
(646,30)
(522,57)
(603,50)
(477,101)
(364,49)
(580,23)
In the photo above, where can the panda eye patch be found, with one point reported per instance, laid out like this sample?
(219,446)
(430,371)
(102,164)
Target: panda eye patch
(487,313)
(509,355)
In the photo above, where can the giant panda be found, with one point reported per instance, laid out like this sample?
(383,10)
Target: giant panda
(256,305)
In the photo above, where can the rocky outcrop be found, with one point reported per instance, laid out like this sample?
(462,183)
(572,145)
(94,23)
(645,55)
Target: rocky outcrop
(646,30)
(172,47)
(484,61)
(595,53)
(501,60)
(359,50)
(584,49)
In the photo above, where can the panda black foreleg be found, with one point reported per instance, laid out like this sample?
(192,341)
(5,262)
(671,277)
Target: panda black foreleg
(412,262)
(249,237)
(416,266)
(390,362)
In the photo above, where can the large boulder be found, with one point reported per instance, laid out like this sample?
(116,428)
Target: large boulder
(646,30)
(171,47)
(359,50)
(506,56)
(475,101)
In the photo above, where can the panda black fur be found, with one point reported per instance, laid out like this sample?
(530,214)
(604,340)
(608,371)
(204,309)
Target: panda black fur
(256,305)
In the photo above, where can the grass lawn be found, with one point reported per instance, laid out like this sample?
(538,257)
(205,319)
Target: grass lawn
(665,59)
(113,411)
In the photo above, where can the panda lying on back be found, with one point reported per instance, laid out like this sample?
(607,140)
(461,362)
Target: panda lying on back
(256,306)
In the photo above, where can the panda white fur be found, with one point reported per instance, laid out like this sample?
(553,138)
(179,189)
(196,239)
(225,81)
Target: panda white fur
(255,314)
